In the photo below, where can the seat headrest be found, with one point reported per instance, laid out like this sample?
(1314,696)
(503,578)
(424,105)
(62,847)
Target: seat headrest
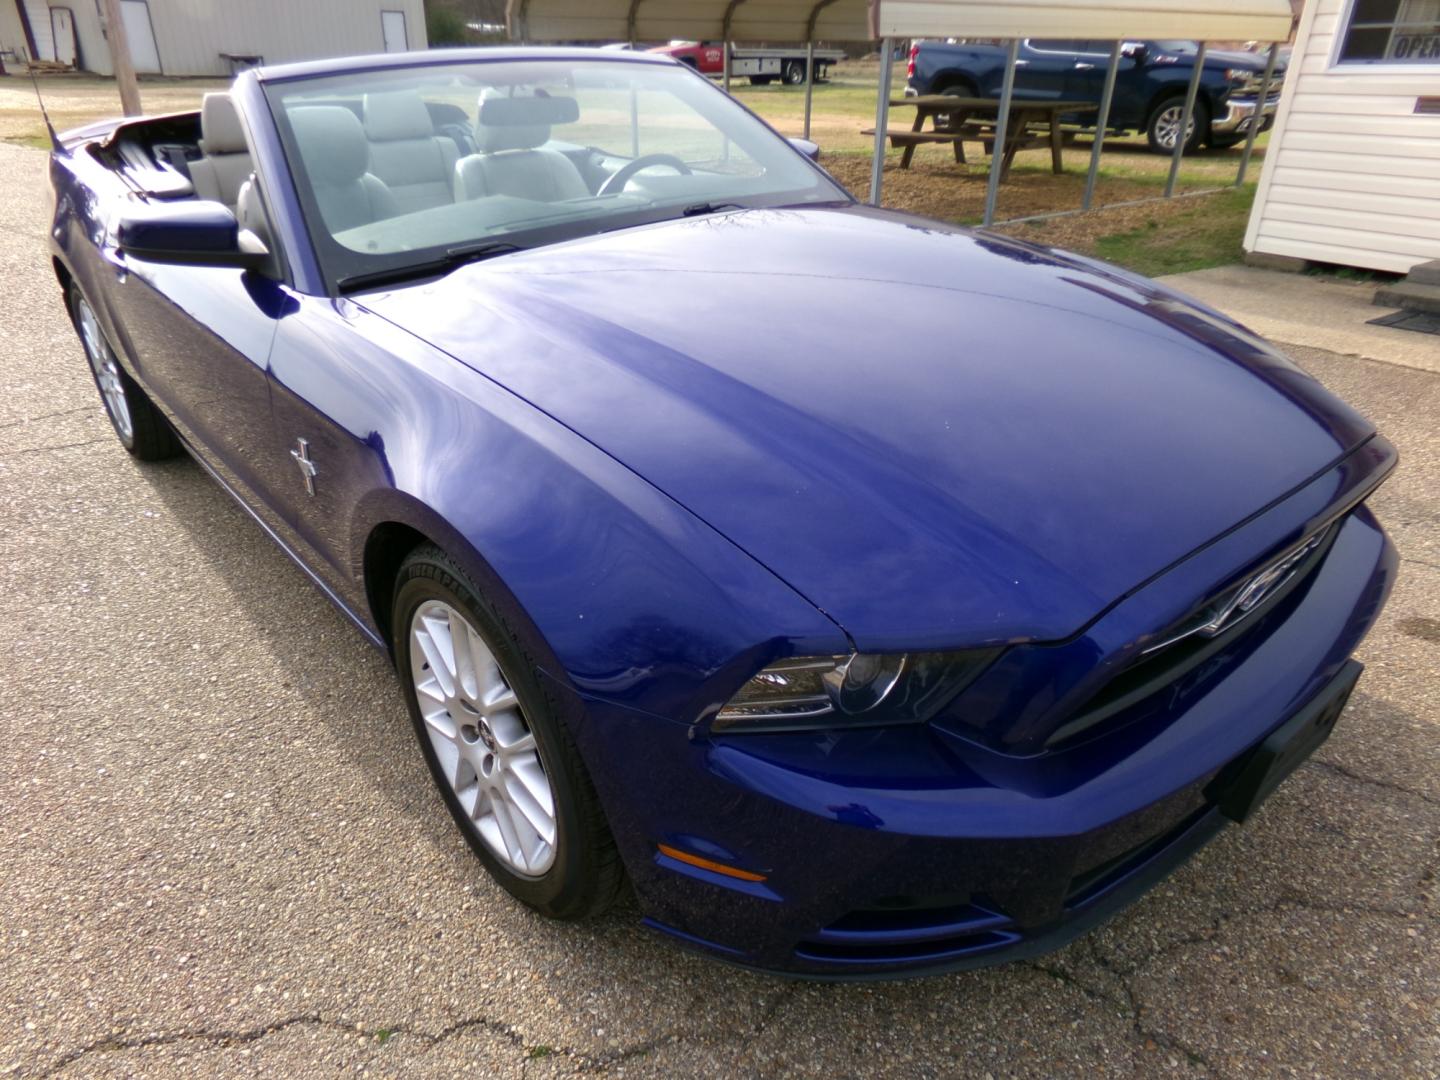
(332,143)
(220,130)
(399,114)
(520,123)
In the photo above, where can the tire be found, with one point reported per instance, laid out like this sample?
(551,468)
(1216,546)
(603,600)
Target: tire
(955,89)
(795,73)
(1166,115)
(577,874)
(137,422)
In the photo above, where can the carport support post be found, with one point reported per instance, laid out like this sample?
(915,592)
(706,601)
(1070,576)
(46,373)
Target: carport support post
(1180,136)
(809,82)
(1101,123)
(725,65)
(1002,125)
(1259,119)
(882,119)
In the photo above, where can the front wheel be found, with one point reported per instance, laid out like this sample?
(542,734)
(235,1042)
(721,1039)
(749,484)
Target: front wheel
(137,423)
(1164,125)
(496,746)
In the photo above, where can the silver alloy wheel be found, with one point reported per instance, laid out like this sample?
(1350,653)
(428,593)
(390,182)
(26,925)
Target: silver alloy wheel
(106,368)
(1167,126)
(479,733)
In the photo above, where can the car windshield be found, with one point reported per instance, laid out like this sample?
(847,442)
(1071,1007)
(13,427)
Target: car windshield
(409,167)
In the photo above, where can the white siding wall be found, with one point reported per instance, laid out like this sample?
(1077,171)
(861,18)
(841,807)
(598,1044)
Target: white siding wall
(191,34)
(1352,174)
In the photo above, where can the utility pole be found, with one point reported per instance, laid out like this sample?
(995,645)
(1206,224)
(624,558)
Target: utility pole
(120,58)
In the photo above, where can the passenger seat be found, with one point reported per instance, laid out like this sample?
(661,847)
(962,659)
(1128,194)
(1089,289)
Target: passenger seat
(226,164)
(416,164)
(337,159)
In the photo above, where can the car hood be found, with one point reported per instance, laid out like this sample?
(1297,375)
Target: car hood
(940,438)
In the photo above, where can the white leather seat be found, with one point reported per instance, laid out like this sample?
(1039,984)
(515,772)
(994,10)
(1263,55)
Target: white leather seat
(226,164)
(337,160)
(512,159)
(416,164)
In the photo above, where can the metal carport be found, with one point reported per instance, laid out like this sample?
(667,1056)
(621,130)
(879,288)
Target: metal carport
(885,21)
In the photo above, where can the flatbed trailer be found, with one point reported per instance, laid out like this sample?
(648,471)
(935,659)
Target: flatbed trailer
(759,64)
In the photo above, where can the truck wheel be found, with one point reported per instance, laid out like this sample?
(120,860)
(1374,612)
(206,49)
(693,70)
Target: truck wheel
(956,89)
(1164,125)
(795,73)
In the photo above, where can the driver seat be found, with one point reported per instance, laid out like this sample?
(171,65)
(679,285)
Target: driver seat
(513,161)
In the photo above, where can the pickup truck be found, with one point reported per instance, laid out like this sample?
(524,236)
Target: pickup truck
(759,65)
(1149,87)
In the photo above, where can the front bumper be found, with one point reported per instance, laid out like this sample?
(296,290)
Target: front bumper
(912,850)
(1240,116)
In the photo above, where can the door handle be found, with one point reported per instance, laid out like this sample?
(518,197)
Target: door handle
(1082,66)
(1022,63)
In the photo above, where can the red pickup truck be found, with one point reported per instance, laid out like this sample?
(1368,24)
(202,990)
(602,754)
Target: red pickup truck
(759,65)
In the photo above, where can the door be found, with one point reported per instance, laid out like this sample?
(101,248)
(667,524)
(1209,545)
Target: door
(62,29)
(1086,81)
(392,26)
(37,14)
(200,338)
(140,35)
(1044,68)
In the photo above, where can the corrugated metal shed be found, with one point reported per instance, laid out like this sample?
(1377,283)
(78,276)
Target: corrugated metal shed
(1352,173)
(191,37)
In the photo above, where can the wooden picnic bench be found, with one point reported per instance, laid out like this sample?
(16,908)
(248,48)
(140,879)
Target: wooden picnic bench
(956,120)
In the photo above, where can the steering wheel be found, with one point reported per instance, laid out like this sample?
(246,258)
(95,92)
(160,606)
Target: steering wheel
(622,176)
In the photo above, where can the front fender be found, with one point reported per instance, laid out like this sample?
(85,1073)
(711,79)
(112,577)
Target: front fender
(622,593)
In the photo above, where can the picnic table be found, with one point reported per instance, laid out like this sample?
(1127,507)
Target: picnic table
(956,119)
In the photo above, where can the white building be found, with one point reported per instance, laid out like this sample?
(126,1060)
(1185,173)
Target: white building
(1352,173)
(208,37)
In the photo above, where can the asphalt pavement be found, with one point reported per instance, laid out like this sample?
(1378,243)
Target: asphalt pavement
(221,855)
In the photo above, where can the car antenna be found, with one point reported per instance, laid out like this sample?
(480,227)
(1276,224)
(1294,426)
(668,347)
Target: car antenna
(54,139)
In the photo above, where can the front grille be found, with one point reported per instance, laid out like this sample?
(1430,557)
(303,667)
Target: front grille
(1251,86)
(1187,645)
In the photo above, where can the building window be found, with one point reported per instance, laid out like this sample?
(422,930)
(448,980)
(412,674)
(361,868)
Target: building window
(1392,32)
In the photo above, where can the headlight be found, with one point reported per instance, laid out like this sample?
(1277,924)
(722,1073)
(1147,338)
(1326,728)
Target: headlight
(859,690)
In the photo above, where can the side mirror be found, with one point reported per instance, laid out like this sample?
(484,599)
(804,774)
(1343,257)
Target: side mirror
(1135,50)
(189,233)
(806,147)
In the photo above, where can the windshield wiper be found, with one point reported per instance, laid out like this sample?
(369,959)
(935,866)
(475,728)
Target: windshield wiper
(709,208)
(452,259)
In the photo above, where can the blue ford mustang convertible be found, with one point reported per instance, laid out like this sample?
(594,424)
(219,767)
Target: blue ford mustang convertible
(576,388)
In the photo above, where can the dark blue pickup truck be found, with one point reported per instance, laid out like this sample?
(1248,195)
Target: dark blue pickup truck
(1149,87)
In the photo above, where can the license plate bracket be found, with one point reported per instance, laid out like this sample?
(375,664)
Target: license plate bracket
(1243,785)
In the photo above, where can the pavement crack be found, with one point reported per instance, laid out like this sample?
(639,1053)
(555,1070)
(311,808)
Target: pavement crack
(1360,778)
(115,1044)
(57,446)
(47,416)
(1148,1037)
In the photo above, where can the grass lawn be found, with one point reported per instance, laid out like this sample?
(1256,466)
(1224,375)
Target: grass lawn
(1156,238)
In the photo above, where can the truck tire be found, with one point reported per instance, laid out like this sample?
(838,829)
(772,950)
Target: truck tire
(795,72)
(957,88)
(1163,125)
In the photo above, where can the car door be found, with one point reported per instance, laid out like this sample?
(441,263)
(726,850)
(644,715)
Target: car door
(1043,68)
(200,337)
